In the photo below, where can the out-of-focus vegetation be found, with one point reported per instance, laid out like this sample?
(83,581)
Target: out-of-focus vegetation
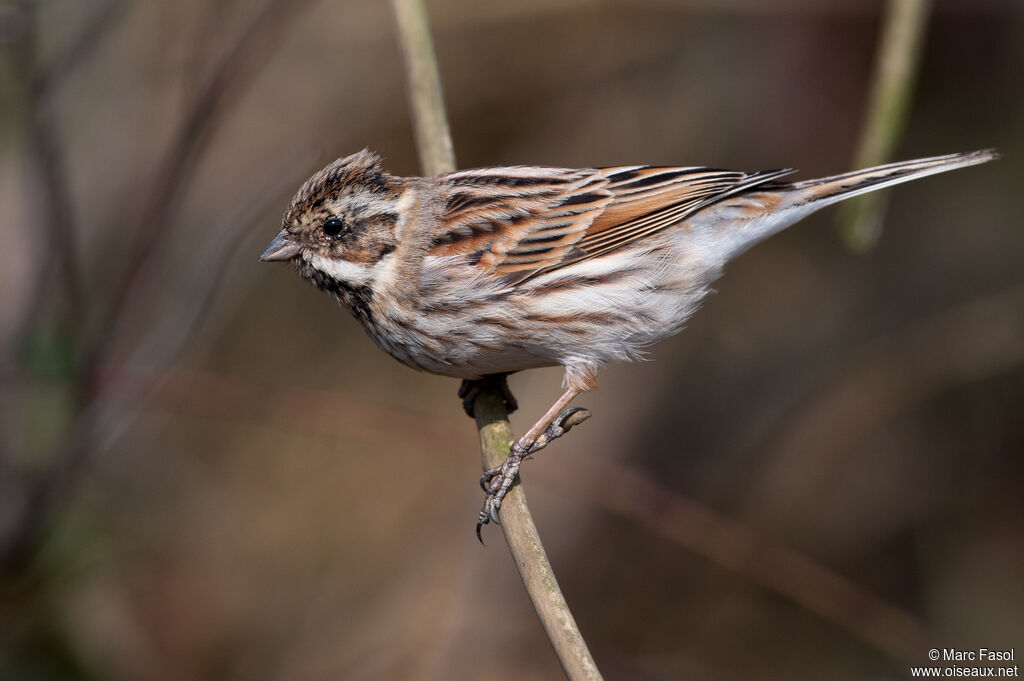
(207,471)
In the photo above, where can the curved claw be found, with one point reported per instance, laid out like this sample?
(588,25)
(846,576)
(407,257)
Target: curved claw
(495,482)
(573,416)
(561,425)
(488,514)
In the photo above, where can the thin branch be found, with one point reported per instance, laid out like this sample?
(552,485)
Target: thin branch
(963,344)
(58,266)
(732,545)
(527,550)
(79,50)
(899,51)
(58,270)
(436,155)
(426,98)
(215,98)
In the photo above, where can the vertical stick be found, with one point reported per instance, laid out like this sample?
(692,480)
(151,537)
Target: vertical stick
(436,156)
(896,63)
(426,99)
(527,550)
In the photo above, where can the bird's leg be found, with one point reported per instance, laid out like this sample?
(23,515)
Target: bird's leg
(470,389)
(497,481)
(555,422)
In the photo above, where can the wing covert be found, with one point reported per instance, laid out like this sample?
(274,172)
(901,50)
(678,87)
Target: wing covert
(520,222)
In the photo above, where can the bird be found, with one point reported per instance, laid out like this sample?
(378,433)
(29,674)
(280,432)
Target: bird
(477,274)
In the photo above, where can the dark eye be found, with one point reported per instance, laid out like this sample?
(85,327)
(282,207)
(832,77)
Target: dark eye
(334,227)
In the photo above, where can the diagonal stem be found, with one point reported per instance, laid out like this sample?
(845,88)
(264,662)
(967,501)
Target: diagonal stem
(527,549)
(436,156)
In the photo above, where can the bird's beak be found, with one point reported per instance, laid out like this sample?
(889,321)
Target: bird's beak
(281,248)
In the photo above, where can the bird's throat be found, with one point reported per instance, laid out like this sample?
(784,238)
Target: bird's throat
(356,297)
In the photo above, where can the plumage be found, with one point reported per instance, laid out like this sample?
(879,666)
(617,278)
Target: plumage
(497,270)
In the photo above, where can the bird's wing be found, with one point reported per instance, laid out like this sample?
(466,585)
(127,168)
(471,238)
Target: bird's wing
(520,222)
(519,219)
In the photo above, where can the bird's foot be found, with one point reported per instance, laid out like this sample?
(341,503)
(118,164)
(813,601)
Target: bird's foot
(497,481)
(471,389)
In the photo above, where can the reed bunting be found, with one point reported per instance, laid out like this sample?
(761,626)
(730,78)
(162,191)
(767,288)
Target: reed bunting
(481,273)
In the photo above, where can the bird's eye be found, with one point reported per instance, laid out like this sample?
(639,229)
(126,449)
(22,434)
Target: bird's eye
(334,227)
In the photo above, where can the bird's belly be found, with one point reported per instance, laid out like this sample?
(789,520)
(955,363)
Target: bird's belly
(483,363)
(461,347)
(468,357)
(609,309)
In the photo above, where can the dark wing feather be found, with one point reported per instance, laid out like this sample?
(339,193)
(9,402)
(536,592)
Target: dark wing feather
(519,219)
(521,222)
(658,198)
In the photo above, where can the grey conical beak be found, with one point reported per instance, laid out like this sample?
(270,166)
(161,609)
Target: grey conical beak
(281,248)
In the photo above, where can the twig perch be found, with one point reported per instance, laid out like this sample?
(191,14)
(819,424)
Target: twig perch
(426,99)
(892,83)
(436,156)
(526,547)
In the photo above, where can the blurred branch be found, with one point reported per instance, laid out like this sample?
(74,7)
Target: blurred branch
(965,344)
(20,530)
(58,269)
(960,345)
(437,156)
(222,89)
(899,51)
(87,40)
(620,489)
(426,98)
(53,315)
(212,266)
(206,394)
(732,545)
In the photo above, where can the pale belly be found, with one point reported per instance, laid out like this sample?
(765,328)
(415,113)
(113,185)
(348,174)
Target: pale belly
(585,315)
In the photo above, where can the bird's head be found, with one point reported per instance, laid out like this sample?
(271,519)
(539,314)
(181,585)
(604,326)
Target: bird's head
(341,224)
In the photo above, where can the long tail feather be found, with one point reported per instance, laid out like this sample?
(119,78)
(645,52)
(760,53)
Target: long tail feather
(828,190)
(738,222)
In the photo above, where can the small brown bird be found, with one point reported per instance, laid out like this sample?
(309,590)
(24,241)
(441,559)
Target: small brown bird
(481,273)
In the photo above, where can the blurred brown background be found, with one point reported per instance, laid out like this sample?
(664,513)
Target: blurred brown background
(210,472)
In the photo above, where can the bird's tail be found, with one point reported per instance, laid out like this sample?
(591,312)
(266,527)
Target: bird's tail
(828,190)
(740,221)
